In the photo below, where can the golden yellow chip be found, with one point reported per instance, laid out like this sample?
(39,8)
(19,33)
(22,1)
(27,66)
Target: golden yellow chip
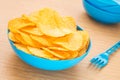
(27,39)
(71,42)
(50,30)
(22,47)
(18,23)
(20,39)
(61,24)
(34,17)
(63,54)
(82,51)
(38,52)
(42,40)
(85,36)
(52,24)
(73,54)
(55,47)
(53,58)
(12,37)
(32,30)
(87,44)
(59,54)
(70,22)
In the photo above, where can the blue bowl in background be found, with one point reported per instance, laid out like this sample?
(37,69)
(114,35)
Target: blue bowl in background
(112,9)
(103,3)
(100,15)
(46,64)
(111,6)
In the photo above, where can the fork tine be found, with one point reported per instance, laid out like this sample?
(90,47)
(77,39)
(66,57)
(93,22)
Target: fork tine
(98,62)
(93,60)
(101,65)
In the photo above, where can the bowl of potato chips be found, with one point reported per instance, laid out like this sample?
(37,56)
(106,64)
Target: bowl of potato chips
(48,41)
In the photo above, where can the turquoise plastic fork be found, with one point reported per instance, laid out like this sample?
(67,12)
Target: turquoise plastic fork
(102,59)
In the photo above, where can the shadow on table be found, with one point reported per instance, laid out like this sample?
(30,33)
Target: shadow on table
(19,70)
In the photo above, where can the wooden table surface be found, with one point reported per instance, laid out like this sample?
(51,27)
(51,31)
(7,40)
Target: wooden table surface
(103,36)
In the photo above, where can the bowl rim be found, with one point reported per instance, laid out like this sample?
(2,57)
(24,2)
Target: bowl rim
(78,28)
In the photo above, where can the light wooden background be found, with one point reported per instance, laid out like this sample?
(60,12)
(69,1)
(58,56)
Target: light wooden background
(103,36)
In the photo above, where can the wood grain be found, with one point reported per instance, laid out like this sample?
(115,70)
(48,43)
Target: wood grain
(103,36)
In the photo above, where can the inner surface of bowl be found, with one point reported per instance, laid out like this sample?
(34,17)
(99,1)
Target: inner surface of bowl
(47,64)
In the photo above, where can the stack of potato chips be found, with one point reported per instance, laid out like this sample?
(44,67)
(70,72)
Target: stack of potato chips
(48,35)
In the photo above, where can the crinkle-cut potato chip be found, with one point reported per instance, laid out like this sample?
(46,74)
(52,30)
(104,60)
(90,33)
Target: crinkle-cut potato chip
(57,48)
(62,24)
(63,54)
(59,54)
(22,47)
(52,24)
(47,23)
(34,17)
(32,30)
(82,51)
(87,44)
(53,58)
(12,37)
(18,23)
(85,37)
(41,39)
(71,42)
(50,30)
(70,22)
(73,54)
(27,39)
(41,53)
(20,39)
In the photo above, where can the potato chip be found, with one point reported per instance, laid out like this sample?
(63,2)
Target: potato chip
(20,39)
(53,58)
(22,47)
(82,51)
(18,23)
(32,30)
(34,17)
(57,48)
(63,54)
(52,24)
(27,39)
(41,40)
(70,22)
(85,36)
(50,30)
(71,42)
(12,37)
(38,52)
(62,24)
(59,54)
(73,54)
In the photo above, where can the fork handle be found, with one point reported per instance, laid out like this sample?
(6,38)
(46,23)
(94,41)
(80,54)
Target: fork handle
(113,48)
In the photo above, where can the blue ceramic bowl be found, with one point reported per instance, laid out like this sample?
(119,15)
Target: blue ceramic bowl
(100,15)
(47,64)
(112,9)
(103,3)
(111,6)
